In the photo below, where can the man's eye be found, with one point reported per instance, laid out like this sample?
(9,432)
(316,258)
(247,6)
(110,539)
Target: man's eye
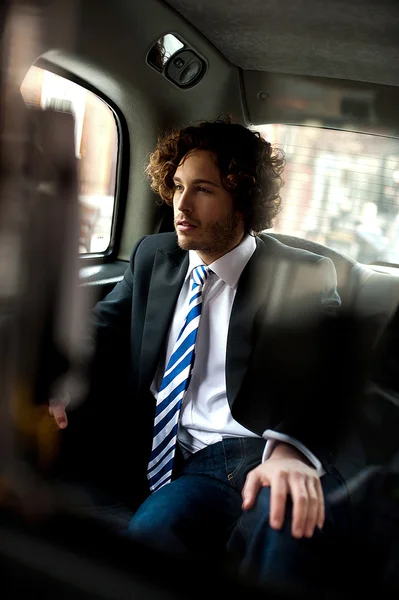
(202,189)
(178,187)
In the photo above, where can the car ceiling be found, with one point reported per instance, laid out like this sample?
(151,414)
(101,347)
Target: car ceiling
(347,39)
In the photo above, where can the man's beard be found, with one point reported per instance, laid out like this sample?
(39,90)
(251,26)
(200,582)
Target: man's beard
(214,237)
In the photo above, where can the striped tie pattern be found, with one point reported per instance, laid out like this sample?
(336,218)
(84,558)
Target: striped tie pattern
(173,386)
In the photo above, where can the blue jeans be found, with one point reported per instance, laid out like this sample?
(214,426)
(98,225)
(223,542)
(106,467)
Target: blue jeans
(199,514)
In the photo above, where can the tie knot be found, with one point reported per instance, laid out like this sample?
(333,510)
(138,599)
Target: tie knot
(199,275)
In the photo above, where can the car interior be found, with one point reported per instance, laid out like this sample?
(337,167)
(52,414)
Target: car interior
(320,80)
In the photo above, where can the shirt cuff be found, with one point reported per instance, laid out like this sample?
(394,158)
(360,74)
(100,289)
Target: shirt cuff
(272,437)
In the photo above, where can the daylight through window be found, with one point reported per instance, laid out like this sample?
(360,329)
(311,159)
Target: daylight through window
(96,147)
(341,189)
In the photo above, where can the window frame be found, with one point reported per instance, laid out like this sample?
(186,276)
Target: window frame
(121,170)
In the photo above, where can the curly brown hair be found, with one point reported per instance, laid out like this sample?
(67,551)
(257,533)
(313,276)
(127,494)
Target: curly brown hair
(250,169)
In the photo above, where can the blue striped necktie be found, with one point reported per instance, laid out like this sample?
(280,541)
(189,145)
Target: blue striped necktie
(173,386)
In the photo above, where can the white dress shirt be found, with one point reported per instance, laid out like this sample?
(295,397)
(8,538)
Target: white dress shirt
(205,416)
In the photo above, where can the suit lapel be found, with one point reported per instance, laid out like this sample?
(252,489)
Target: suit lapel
(167,278)
(252,292)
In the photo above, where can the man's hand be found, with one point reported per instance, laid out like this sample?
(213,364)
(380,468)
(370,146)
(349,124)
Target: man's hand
(57,410)
(287,471)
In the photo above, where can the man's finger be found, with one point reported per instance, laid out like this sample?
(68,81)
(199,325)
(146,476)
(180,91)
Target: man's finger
(322,511)
(250,491)
(58,412)
(313,508)
(299,494)
(278,500)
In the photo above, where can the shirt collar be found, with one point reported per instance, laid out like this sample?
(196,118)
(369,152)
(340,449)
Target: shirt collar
(229,266)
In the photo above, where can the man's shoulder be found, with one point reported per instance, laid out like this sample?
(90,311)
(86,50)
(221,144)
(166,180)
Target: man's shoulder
(279,249)
(150,244)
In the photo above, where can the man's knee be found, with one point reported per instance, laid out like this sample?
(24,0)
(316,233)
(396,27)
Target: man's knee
(336,513)
(154,528)
(258,517)
(151,518)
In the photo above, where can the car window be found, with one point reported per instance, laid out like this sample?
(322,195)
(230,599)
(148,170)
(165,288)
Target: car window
(96,146)
(341,189)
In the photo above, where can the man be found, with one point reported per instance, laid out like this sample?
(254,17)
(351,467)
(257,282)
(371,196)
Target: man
(234,457)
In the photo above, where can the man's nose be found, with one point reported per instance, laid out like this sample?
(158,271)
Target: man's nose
(184,203)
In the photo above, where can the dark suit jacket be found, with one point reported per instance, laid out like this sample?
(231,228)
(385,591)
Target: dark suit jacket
(280,357)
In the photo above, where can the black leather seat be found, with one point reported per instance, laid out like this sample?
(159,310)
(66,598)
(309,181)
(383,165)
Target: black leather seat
(370,294)
(374,297)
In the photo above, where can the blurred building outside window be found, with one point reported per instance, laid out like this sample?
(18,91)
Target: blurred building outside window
(341,189)
(96,147)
